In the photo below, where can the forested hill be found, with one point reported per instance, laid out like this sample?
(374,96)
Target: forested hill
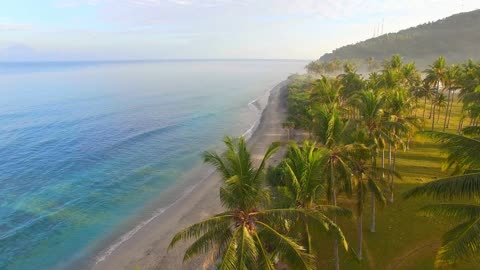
(456,37)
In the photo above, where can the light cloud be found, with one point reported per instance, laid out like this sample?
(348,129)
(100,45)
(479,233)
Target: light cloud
(9,26)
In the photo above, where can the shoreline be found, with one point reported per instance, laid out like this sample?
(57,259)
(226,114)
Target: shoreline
(145,245)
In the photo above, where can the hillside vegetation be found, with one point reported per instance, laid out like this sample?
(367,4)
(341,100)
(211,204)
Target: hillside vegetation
(456,37)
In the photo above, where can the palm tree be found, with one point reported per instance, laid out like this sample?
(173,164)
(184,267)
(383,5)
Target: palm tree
(400,126)
(435,76)
(245,235)
(439,102)
(303,187)
(463,241)
(364,182)
(427,94)
(333,134)
(452,78)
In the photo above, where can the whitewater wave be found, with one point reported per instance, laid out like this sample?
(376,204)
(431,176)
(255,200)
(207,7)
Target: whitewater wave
(257,107)
(125,237)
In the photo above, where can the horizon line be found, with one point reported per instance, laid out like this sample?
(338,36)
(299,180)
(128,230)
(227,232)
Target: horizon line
(150,60)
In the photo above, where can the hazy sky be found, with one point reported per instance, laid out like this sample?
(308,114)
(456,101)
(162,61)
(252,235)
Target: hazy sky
(156,29)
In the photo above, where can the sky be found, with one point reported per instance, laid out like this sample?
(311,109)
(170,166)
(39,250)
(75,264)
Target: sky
(62,30)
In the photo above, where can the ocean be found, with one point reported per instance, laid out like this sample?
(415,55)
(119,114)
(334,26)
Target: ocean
(85,146)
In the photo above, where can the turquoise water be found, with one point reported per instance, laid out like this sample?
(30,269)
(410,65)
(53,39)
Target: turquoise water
(85,146)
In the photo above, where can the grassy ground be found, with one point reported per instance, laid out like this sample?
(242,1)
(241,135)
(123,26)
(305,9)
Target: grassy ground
(404,239)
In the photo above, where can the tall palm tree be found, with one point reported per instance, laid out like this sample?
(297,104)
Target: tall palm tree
(245,235)
(452,78)
(370,105)
(304,188)
(435,76)
(400,126)
(334,134)
(365,182)
(463,241)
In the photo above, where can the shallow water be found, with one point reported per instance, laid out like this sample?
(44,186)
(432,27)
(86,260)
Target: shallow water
(85,146)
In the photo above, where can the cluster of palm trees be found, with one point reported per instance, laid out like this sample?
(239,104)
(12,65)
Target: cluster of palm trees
(324,67)
(280,216)
(382,114)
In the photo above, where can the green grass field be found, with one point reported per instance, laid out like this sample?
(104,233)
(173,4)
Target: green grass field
(404,239)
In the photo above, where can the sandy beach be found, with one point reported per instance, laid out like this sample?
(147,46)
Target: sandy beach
(147,248)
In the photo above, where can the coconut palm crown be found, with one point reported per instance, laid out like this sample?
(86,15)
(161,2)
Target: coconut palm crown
(246,235)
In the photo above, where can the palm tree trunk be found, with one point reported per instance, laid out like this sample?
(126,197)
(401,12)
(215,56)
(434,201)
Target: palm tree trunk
(433,121)
(383,163)
(334,197)
(309,238)
(439,113)
(460,125)
(416,106)
(394,164)
(390,176)
(432,107)
(373,223)
(431,110)
(450,112)
(360,236)
(424,108)
(446,110)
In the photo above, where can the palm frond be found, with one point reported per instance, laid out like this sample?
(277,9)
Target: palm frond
(216,238)
(462,242)
(461,150)
(375,189)
(451,210)
(247,249)
(230,260)
(270,151)
(317,218)
(265,262)
(290,249)
(461,186)
(202,227)
(216,161)
(472,130)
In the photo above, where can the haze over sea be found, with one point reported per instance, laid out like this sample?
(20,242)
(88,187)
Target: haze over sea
(84,146)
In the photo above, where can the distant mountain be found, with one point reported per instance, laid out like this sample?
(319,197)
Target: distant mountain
(456,37)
